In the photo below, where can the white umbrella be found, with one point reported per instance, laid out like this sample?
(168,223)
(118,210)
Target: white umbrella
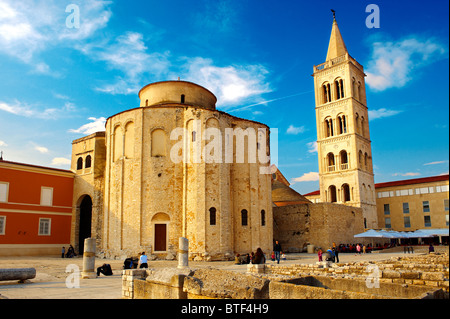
(371,233)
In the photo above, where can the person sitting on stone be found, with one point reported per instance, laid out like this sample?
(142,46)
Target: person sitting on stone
(105,269)
(259,257)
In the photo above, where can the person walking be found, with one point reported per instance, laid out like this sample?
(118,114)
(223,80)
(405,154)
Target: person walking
(277,249)
(319,253)
(63,251)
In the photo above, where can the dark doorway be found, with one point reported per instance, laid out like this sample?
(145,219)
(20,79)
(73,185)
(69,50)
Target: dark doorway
(85,222)
(160,237)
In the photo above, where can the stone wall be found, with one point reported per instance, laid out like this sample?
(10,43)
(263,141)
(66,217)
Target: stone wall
(412,277)
(145,190)
(430,271)
(320,224)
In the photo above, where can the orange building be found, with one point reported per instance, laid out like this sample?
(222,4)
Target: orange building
(35,209)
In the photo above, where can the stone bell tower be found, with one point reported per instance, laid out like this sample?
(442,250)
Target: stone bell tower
(343,139)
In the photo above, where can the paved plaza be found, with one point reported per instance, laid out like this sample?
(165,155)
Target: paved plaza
(52,280)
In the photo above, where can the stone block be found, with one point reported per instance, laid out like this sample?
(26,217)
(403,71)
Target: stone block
(215,283)
(433,276)
(409,275)
(390,274)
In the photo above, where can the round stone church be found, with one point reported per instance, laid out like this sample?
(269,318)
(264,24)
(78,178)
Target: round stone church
(174,167)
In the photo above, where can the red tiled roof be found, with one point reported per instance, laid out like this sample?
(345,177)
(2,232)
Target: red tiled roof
(421,180)
(313,193)
(37,166)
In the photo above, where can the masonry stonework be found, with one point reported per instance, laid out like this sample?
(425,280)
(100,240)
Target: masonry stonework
(297,226)
(173,169)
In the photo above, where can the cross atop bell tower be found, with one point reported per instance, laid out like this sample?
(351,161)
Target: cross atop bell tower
(343,139)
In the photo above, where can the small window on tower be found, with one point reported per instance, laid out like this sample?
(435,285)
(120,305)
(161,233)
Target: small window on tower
(244,217)
(182,98)
(88,161)
(212,216)
(79,163)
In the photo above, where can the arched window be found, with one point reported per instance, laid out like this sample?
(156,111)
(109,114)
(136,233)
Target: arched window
(344,159)
(182,98)
(345,193)
(359,91)
(360,159)
(329,127)
(357,123)
(129,140)
(326,93)
(212,216)
(339,85)
(244,217)
(146,102)
(338,89)
(363,126)
(330,162)
(332,194)
(118,143)
(80,163)
(342,124)
(88,161)
(263,217)
(158,143)
(366,162)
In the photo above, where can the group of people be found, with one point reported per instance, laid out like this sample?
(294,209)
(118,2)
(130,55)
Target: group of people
(331,254)
(70,252)
(259,257)
(133,263)
(253,258)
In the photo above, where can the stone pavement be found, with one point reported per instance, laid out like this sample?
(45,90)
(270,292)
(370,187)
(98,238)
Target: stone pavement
(51,276)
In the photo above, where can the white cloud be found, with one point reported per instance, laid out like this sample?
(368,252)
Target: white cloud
(23,109)
(393,62)
(128,54)
(17,108)
(97,125)
(2,143)
(295,130)
(307,177)
(406,174)
(435,163)
(29,27)
(41,149)
(312,147)
(380,113)
(231,84)
(61,161)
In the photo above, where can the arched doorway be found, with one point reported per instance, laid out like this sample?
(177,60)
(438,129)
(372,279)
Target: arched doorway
(85,222)
(160,223)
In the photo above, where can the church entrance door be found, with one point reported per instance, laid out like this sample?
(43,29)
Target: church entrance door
(160,237)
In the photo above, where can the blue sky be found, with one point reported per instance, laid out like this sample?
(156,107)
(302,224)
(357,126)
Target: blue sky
(257,57)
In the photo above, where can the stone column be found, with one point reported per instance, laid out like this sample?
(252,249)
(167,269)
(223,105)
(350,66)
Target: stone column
(183,249)
(89,259)
(20,274)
